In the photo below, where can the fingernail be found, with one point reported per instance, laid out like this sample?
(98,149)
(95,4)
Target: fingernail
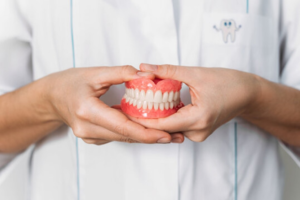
(143,74)
(176,140)
(149,67)
(163,140)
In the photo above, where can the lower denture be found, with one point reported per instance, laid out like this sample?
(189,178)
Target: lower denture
(145,98)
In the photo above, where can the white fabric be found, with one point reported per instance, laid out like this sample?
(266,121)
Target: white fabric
(238,159)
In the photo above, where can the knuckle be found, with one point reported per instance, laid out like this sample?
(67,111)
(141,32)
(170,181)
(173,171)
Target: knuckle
(170,70)
(79,131)
(126,68)
(127,140)
(81,112)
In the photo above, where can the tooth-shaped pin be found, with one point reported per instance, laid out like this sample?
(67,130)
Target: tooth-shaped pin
(165,97)
(157,96)
(136,94)
(171,105)
(149,96)
(134,102)
(155,106)
(145,105)
(142,95)
(139,104)
(167,105)
(176,96)
(131,101)
(150,105)
(171,95)
(161,106)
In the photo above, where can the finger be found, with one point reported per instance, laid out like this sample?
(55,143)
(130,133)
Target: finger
(177,138)
(117,122)
(121,74)
(118,107)
(96,134)
(180,73)
(183,120)
(196,136)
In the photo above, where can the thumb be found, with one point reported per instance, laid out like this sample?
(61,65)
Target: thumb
(179,73)
(121,74)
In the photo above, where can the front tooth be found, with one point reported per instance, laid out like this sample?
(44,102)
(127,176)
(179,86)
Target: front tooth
(171,105)
(161,106)
(165,97)
(158,96)
(136,94)
(171,95)
(145,105)
(142,95)
(167,105)
(149,96)
(127,98)
(131,101)
(139,104)
(176,96)
(134,102)
(150,105)
(155,106)
(131,93)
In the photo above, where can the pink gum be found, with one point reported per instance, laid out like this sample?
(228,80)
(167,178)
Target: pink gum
(145,84)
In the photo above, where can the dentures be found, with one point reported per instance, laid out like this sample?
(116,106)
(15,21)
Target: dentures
(145,98)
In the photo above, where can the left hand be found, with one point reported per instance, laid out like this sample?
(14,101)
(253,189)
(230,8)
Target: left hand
(217,94)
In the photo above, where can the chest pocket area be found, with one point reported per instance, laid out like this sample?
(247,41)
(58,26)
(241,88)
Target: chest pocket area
(240,41)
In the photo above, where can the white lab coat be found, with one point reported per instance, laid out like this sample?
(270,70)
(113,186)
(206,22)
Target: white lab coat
(238,161)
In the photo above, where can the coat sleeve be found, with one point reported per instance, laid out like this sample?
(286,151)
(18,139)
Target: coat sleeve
(15,52)
(290,54)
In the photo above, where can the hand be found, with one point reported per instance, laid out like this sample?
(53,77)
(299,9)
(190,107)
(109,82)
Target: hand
(217,94)
(75,98)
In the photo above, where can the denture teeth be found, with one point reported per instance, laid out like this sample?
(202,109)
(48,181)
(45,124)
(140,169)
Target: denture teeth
(134,102)
(136,94)
(165,97)
(171,105)
(171,95)
(176,96)
(161,106)
(142,95)
(145,105)
(127,98)
(167,105)
(131,101)
(155,106)
(150,105)
(149,96)
(157,96)
(139,104)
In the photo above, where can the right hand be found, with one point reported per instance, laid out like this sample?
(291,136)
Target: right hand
(74,96)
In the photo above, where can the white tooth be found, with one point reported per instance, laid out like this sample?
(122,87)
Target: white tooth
(150,105)
(134,102)
(127,91)
(130,101)
(149,96)
(171,105)
(171,95)
(139,104)
(158,96)
(131,93)
(176,96)
(167,105)
(161,106)
(145,105)
(142,95)
(136,94)
(127,99)
(165,97)
(155,106)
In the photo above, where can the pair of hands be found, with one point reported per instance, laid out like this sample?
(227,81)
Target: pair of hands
(218,95)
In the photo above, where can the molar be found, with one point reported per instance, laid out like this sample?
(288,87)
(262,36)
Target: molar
(176,95)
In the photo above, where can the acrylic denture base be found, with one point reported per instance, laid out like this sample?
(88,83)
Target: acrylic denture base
(145,98)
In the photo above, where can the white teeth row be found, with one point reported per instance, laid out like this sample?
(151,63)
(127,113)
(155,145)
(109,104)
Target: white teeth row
(149,96)
(151,105)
